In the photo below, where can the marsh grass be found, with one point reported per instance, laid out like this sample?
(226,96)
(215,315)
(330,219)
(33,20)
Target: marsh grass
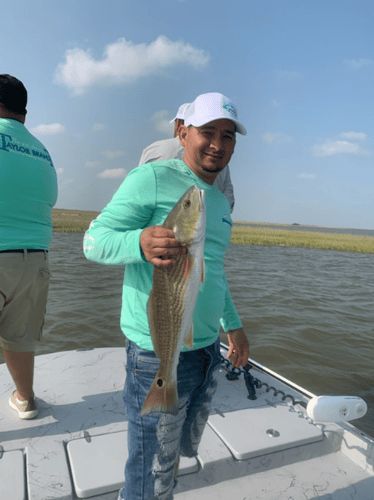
(72,221)
(77,221)
(304,239)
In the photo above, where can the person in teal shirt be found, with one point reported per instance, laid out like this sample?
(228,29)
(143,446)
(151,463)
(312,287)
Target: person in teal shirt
(129,232)
(28,191)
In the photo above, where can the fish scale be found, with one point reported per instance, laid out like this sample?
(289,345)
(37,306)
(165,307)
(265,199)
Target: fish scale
(168,315)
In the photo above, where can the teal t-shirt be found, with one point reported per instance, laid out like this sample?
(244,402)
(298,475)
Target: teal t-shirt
(144,199)
(28,189)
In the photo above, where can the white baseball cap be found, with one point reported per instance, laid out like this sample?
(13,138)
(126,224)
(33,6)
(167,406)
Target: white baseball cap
(180,113)
(209,107)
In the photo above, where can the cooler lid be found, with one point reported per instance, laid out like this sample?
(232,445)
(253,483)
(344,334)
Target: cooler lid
(12,474)
(98,462)
(258,431)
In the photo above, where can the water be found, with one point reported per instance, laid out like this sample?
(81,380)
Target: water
(308,314)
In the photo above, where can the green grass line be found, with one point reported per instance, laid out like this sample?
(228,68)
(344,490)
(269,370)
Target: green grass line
(77,221)
(303,239)
(72,221)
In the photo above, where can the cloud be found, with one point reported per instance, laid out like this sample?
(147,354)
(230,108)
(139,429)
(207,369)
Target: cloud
(306,176)
(98,127)
(360,63)
(92,164)
(124,61)
(114,173)
(277,138)
(330,148)
(360,136)
(162,122)
(112,155)
(51,129)
(60,170)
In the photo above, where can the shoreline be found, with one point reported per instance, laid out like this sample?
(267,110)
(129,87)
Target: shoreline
(302,239)
(77,221)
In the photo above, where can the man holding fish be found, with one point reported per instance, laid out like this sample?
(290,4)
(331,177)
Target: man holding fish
(171,227)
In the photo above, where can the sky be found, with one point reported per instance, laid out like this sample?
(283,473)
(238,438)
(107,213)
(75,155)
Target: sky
(105,78)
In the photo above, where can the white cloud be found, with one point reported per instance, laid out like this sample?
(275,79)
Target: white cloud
(99,127)
(50,129)
(162,122)
(277,138)
(356,64)
(114,173)
(125,61)
(112,155)
(359,136)
(306,176)
(330,148)
(92,164)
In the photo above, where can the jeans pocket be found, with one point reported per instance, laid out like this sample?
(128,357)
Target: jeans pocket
(146,368)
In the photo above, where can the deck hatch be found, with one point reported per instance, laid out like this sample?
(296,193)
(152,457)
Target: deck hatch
(97,464)
(253,432)
(12,474)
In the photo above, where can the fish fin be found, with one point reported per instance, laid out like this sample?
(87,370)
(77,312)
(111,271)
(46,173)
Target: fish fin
(203,272)
(161,398)
(188,264)
(188,341)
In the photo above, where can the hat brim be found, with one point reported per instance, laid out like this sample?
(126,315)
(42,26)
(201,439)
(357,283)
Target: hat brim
(239,127)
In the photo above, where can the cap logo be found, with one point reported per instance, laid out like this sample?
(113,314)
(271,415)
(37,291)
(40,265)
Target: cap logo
(230,108)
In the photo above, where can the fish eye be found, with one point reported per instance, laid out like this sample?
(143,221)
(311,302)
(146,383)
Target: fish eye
(187,203)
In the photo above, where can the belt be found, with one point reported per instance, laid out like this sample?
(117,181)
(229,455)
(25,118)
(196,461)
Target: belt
(31,250)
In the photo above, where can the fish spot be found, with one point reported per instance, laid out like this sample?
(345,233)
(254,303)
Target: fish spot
(160,382)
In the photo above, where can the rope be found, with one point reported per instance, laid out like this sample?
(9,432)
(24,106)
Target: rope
(252,382)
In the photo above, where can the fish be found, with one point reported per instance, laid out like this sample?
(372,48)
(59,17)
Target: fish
(172,299)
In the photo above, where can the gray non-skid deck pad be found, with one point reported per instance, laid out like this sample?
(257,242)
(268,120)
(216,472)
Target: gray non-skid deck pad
(257,431)
(12,474)
(97,463)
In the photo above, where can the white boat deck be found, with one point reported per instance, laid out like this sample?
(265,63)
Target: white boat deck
(263,449)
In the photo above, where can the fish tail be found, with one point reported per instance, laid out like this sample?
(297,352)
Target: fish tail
(161,398)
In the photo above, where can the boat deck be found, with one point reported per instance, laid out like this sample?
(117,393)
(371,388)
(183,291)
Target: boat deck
(252,449)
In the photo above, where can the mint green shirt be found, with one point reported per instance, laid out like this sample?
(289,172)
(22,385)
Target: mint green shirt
(28,189)
(144,199)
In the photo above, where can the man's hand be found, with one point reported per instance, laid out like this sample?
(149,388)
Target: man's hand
(238,347)
(159,246)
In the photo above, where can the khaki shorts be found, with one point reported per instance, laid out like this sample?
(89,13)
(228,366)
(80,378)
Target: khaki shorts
(24,283)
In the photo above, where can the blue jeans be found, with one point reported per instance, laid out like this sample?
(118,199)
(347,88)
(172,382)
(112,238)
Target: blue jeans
(156,441)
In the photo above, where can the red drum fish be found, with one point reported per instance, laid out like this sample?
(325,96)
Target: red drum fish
(173,298)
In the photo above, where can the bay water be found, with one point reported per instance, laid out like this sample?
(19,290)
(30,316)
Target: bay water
(308,314)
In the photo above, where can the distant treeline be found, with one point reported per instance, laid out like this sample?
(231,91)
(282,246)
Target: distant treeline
(77,221)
